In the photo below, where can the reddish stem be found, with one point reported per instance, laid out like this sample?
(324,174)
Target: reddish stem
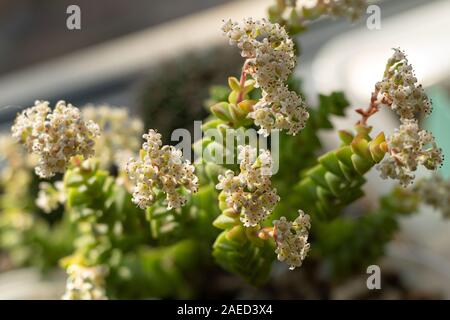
(371,109)
(242,82)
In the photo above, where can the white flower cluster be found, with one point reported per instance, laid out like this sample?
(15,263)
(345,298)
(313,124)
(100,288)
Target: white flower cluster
(399,89)
(270,60)
(435,191)
(50,196)
(352,9)
(85,283)
(409,146)
(161,169)
(56,136)
(121,134)
(292,239)
(249,193)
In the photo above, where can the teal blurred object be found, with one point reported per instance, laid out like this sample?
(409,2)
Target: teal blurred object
(439,123)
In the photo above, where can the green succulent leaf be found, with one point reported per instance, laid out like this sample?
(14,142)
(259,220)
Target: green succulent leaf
(243,257)
(336,180)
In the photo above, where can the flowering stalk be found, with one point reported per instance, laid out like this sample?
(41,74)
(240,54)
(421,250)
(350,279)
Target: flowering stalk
(292,239)
(161,170)
(242,82)
(409,146)
(270,59)
(247,201)
(249,194)
(371,109)
(55,136)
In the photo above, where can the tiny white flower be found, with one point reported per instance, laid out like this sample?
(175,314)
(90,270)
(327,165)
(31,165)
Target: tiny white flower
(250,193)
(121,134)
(435,191)
(409,147)
(50,196)
(54,136)
(160,169)
(292,239)
(85,283)
(271,59)
(399,89)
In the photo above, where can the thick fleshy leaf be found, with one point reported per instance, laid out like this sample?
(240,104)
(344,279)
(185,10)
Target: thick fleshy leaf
(331,162)
(361,165)
(224,222)
(345,136)
(360,146)
(233,82)
(221,111)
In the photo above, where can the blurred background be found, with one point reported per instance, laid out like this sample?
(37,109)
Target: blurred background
(158,57)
